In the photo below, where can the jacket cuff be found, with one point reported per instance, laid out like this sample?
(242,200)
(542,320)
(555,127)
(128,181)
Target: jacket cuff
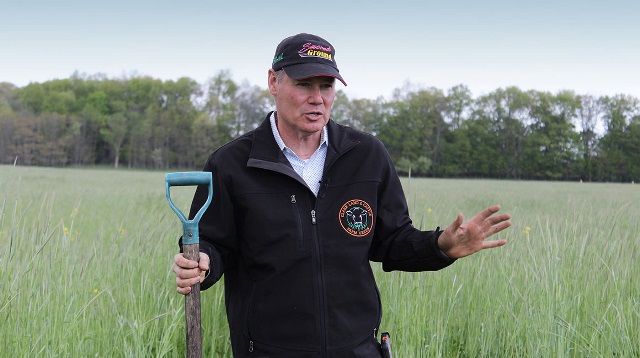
(438,250)
(215,265)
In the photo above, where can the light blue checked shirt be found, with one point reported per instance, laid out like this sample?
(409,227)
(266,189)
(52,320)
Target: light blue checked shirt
(310,170)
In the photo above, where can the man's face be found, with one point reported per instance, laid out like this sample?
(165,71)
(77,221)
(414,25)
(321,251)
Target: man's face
(303,106)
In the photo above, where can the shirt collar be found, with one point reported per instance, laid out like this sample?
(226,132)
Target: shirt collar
(324,135)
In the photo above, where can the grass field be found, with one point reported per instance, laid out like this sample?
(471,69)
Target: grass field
(85,257)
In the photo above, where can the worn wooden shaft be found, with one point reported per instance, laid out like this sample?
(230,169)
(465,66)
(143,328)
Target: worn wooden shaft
(192,308)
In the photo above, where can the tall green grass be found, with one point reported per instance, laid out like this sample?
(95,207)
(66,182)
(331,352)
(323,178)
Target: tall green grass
(85,257)
(566,284)
(85,260)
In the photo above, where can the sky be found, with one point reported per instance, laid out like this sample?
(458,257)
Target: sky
(590,47)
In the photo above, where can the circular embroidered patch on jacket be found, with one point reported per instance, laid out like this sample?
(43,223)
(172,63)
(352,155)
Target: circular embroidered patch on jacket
(356,217)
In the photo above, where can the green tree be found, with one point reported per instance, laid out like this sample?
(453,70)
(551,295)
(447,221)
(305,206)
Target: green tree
(7,97)
(220,105)
(363,114)
(457,153)
(203,133)
(482,146)
(252,104)
(114,132)
(618,150)
(506,112)
(170,122)
(85,130)
(32,97)
(589,115)
(54,139)
(553,144)
(413,126)
(7,102)
(7,133)
(458,105)
(341,111)
(143,96)
(456,147)
(633,149)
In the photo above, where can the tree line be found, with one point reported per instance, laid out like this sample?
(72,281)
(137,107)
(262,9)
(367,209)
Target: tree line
(142,122)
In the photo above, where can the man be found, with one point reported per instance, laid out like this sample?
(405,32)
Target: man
(300,206)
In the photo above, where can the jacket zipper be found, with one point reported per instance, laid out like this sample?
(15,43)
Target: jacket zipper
(249,305)
(320,283)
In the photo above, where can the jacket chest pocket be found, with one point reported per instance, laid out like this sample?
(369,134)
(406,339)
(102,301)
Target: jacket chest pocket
(299,227)
(274,227)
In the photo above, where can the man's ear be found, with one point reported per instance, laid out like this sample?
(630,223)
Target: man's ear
(272,81)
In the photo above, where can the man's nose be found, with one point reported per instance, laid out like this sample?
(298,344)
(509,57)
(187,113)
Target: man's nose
(316,95)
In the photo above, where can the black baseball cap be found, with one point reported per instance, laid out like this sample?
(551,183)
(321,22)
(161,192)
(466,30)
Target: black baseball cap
(306,55)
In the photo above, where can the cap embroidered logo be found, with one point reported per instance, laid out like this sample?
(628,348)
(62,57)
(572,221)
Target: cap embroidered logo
(310,50)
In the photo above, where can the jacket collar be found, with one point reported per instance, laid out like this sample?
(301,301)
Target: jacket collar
(265,152)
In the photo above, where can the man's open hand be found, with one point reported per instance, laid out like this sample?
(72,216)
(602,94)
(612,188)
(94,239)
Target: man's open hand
(462,239)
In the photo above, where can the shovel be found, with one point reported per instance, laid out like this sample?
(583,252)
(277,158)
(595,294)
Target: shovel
(191,251)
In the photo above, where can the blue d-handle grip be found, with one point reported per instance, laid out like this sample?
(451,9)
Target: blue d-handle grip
(188,178)
(190,233)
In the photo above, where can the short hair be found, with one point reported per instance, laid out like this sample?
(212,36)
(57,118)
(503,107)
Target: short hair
(280,75)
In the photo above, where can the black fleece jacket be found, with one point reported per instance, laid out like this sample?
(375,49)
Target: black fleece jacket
(296,267)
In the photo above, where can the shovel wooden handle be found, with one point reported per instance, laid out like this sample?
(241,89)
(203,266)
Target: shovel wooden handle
(192,308)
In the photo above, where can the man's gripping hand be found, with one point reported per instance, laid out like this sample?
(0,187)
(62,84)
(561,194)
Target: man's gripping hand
(189,272)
